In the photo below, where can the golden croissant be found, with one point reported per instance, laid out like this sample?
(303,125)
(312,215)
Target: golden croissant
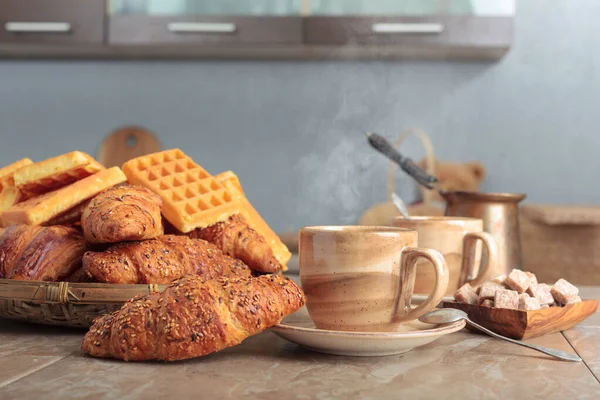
(40,253)
(160,260)
(193,317)
(123,213)
(236,239)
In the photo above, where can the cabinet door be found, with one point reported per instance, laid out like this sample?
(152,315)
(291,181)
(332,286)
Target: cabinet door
(457,23)
(149,22)
(52,21)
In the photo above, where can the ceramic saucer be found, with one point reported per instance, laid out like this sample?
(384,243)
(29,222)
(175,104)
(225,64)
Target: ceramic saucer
(298,328)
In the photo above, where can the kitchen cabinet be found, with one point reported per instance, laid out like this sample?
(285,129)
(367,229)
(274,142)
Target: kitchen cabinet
(259,29)
(181,22)
(443,25)
(55,22)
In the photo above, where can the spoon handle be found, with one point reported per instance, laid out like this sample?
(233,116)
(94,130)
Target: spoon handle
(551,352)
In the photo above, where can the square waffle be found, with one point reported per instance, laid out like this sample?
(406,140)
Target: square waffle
(9,194)
(192,198)
(54,173)
(41,209)
(252,217)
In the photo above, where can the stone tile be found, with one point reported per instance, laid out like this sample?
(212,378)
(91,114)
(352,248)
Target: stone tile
(26,348)
(44,361)
(462,365)
(590,292)
(586,340)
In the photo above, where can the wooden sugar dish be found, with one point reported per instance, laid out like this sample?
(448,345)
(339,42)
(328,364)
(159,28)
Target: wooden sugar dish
(517,324)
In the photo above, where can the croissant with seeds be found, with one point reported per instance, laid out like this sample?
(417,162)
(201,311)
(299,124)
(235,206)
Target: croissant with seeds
(123,213)
(193,317)
(236,239)
(160,260)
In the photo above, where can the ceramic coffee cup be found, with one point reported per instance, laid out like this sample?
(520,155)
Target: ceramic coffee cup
(457,239)
(360,278)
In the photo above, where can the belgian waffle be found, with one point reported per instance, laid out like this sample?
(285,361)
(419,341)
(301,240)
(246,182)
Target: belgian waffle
(41,209)
(252,217)
(54,173)
(192,198)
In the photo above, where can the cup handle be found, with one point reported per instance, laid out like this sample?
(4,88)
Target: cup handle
(408,265)
(468,261)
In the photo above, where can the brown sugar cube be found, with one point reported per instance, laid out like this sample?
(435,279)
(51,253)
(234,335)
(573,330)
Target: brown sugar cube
(563,291)
(526,302)
(541,291)
(573,300)
(518,280)
(466,294)
(506,299)
(532,278)
(499,279)
(487,303)
(488,290)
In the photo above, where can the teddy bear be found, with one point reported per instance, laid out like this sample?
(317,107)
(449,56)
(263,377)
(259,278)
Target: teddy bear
(452,176)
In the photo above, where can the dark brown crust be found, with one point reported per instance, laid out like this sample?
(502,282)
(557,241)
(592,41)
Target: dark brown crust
(123,213)
(40,253)
(69,217)
(79,276)
(236,239)
(160,260)
(193,317)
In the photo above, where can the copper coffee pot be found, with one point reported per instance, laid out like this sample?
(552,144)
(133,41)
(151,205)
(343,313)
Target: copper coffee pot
(499,211)
(500,215)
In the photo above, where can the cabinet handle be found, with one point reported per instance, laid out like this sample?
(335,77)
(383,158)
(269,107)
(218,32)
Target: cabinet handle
(38,27)
(201,27)
(383,27)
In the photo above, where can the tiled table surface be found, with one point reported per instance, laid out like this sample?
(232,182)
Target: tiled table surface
(43,362)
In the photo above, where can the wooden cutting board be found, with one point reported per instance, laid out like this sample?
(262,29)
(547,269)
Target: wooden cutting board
(126,143)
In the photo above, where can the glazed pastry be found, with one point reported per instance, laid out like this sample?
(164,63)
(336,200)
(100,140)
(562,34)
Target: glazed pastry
(123,213)
(236,239)
(40,253)
(193,317)
(160,260)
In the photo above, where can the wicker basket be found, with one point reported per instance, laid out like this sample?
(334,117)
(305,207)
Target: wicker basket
(561,242)
(63,303)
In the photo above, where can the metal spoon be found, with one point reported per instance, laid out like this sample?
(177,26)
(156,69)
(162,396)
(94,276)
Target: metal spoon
(446,315)
(400,206)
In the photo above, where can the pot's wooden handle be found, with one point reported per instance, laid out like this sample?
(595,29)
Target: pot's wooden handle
(126,143)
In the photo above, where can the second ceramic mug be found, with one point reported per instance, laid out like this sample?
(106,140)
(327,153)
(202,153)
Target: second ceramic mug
(457,239)
(360,278)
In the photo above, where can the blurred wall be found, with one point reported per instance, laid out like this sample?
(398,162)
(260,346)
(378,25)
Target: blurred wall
(293,131)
